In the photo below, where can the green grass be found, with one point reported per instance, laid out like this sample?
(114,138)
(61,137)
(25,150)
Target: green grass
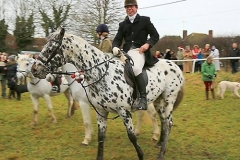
(202,130)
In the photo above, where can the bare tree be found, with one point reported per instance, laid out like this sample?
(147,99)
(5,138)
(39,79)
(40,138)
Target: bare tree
(18,8)
(94,12)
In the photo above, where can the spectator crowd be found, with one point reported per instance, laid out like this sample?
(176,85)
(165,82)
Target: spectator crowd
(8,74)
(188,54)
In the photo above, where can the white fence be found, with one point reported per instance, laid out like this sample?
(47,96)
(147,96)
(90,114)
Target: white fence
(196,60)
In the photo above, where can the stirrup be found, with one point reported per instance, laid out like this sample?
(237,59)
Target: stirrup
(55,89)
(140,106)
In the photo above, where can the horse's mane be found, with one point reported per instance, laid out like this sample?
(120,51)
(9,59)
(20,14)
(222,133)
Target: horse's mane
(82,42)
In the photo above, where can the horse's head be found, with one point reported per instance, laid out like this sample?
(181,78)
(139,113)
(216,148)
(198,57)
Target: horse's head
(50,57)
(22,62)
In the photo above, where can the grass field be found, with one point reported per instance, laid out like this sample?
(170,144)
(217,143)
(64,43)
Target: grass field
(202,130)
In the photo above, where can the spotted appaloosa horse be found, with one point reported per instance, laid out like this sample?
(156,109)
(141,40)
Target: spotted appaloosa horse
(109,91)
(78,94)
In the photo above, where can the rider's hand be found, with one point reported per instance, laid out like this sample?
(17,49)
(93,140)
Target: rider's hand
(143,48)
(116,51)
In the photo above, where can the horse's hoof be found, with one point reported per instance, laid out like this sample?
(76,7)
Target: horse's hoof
(84,145)
(154,139)
(33,124)
(54,122)
(67,116)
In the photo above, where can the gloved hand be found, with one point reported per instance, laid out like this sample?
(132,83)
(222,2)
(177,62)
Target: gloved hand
(116,51)
(209,76)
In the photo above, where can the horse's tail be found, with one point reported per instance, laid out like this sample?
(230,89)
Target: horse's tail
(179,97)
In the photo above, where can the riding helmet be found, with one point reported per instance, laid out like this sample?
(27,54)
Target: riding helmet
(102,28)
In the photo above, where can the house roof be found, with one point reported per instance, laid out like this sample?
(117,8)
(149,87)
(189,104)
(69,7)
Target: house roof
(39,41)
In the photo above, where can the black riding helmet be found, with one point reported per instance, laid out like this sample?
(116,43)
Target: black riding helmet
(102,28)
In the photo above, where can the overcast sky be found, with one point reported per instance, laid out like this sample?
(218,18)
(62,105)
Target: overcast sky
(221,16)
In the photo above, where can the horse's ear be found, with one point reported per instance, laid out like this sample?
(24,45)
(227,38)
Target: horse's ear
(62,32)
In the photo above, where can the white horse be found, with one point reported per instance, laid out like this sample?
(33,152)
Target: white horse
(78,94)
(42,88)
(109,91)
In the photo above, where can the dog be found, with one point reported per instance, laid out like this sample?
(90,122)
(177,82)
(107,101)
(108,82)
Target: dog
(227,85)
(20,88)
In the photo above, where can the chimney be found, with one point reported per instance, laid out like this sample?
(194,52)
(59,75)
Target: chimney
(210,33)
(184,34)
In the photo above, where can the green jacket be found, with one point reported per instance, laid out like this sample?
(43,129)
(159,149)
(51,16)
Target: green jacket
(208,70)
(106,45)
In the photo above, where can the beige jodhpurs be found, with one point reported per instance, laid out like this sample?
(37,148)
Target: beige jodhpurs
(138,59)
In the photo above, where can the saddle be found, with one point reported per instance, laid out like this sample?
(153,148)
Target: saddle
(130,77)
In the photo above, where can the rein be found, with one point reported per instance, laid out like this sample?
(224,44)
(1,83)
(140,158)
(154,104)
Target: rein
(85,86)
(30,78)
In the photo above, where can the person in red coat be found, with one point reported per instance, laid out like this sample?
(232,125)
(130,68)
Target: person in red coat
(134,30)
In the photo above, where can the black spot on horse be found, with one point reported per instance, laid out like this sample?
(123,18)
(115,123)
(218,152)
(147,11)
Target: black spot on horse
(106,98)
(93,95)
(121,96)
(165,72)
(116,71)
(90,64)
(120,71)
(129,100)
(114,101)
(115,94)
(119,88)
(173,70)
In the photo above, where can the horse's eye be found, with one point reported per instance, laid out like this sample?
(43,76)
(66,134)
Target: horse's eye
(27,64)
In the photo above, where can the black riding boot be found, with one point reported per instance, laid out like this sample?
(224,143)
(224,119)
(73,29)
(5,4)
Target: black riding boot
(143,95)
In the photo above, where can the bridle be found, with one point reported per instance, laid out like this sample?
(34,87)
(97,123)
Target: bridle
(45,60)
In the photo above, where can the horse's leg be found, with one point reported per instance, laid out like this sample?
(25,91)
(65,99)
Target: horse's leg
(35,109)
(127,120)
(153,115)
(139,115)
(70,102)
(87,120)
(166,123)
(158,104)
(102,126)
(48,100)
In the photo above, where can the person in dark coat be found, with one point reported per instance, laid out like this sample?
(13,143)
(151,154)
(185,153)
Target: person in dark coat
(167,54)
(3,79)
(11,75)
(134,30)
(235,52)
